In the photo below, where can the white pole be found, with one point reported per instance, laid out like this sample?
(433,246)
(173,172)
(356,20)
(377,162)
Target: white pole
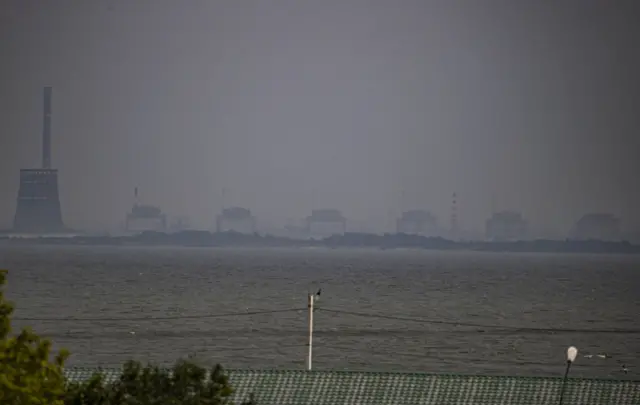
(310,305)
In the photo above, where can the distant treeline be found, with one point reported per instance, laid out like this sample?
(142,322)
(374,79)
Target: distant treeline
(348,240)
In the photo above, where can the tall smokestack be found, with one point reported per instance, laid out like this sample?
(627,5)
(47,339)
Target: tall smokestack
(46,129)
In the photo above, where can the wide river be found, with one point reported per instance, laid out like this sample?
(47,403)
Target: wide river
(422,311)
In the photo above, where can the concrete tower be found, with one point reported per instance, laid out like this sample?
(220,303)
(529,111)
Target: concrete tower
(38,208)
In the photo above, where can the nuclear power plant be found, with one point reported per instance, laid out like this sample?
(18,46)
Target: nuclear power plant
(38,207)
(38,211)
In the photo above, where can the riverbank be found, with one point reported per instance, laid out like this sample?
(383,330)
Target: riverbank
(348,240)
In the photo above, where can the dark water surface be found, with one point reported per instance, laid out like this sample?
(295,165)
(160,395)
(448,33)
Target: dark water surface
(578,297)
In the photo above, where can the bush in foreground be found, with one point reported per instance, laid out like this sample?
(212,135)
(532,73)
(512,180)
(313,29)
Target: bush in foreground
(184,384)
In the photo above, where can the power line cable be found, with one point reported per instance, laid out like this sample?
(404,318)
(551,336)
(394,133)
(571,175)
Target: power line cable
(224,349)
(193,356)
(159,318)
(263,332)
(247,348)
(478,325)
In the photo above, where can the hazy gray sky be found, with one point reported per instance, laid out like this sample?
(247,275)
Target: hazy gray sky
(335,103)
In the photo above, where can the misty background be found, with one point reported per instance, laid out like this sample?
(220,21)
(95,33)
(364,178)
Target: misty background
(371,107)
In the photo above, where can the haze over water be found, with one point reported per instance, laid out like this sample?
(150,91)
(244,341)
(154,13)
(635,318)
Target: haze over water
(368,106)
(566,292)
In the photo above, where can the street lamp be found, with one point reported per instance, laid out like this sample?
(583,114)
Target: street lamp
(572,353)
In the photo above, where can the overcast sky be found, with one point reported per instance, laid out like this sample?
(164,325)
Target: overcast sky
(302,104)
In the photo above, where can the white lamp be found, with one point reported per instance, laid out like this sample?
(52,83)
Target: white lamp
(572,353)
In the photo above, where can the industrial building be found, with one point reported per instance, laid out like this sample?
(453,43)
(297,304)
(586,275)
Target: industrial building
(323,223)
(145,217)
(597,226)
(236,219)
(38,207)
(417,222)
(506,226)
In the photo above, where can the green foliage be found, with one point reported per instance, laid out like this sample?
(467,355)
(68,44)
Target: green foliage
(184,384)
(27,374)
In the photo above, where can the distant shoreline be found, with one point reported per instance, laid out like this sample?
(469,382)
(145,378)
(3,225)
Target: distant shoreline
(348,240)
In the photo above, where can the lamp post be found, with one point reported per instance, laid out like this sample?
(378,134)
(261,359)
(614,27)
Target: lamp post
(572,353)
(311,299)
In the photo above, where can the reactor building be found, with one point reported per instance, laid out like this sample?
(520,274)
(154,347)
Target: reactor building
(324,223)
(417,222)
(236,219)
(144,218)
(597,226)
(38,208)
